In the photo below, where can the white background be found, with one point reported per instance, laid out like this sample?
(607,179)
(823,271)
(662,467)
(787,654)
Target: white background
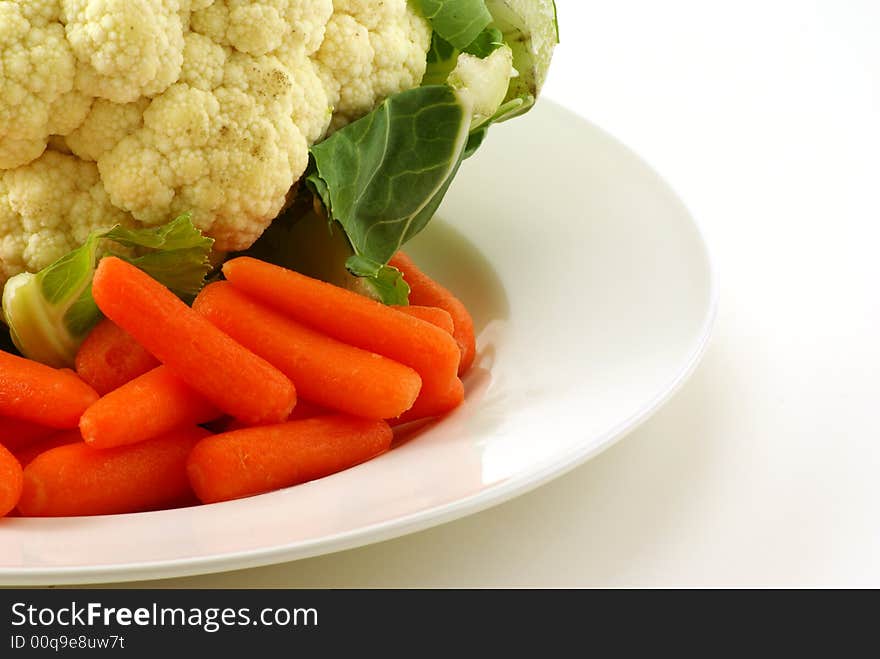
(765,469)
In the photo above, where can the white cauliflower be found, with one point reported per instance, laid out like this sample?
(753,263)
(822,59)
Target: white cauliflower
(48,208)
(372,49)
(156,107)
(125,49)
(37,70)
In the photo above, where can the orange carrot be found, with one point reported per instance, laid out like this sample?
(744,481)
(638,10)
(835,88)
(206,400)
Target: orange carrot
(35,392)
(255,460)
(426,291)
(326,371)
(148,406)
(228,375)
(358,321)
(10,482)
(435,400)
(16,434)
(303,410)
(26,455)
(110,357)
(79,480)
(434,315)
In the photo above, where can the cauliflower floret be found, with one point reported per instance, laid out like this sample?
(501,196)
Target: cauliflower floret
(372,49)
(48,208)
(14,152)
(312,111)
(68,112)
(256,28)
(308,21)
(259,28)
(223,155)
(203,62)
(126,48)
(105,126)
(37,69)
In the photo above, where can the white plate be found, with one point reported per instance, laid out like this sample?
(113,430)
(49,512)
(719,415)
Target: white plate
(593,296)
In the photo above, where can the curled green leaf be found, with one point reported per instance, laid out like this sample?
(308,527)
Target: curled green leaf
(459,22)
(50,312)
(383,177)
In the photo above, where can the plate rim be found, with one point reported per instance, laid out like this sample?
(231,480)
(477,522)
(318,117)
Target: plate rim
(437,515)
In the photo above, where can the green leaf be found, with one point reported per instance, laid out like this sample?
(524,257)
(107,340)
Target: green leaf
(475,140)
(441,61)
(486,43)
(528,30)
(459,22)
(443,56)
(383,177)
(361,266)
(385,282)
(179,234)
(49,313)
(175,254)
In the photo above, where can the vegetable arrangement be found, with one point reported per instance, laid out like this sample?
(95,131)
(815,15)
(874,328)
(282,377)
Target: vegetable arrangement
(274,332)
(237,360)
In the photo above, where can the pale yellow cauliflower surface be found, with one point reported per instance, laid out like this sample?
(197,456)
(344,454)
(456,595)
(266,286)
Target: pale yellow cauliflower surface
(151,108)
(49,207)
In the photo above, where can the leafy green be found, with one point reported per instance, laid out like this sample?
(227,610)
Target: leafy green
(459,22)
(530,29)
(486,43)
(385,282)
(383,177)
(441,61)
(443,56)
(50,313)
(175,254)
(303,239)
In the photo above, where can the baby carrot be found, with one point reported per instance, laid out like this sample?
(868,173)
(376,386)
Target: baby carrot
(255,460)
(303,410)
(426,291)
(148,406)
(356,320)
(327,372)
(26,455)
(435,400)
(16,434)
(35,392)
(79,480)
(110,357)
(228,375)
(434,315)
(10,482)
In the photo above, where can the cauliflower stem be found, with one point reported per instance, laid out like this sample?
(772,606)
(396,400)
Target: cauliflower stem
(50,313)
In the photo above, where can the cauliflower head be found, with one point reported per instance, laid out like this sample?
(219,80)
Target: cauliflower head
(134,111)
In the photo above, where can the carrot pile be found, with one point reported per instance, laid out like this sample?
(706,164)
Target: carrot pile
(270,379)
